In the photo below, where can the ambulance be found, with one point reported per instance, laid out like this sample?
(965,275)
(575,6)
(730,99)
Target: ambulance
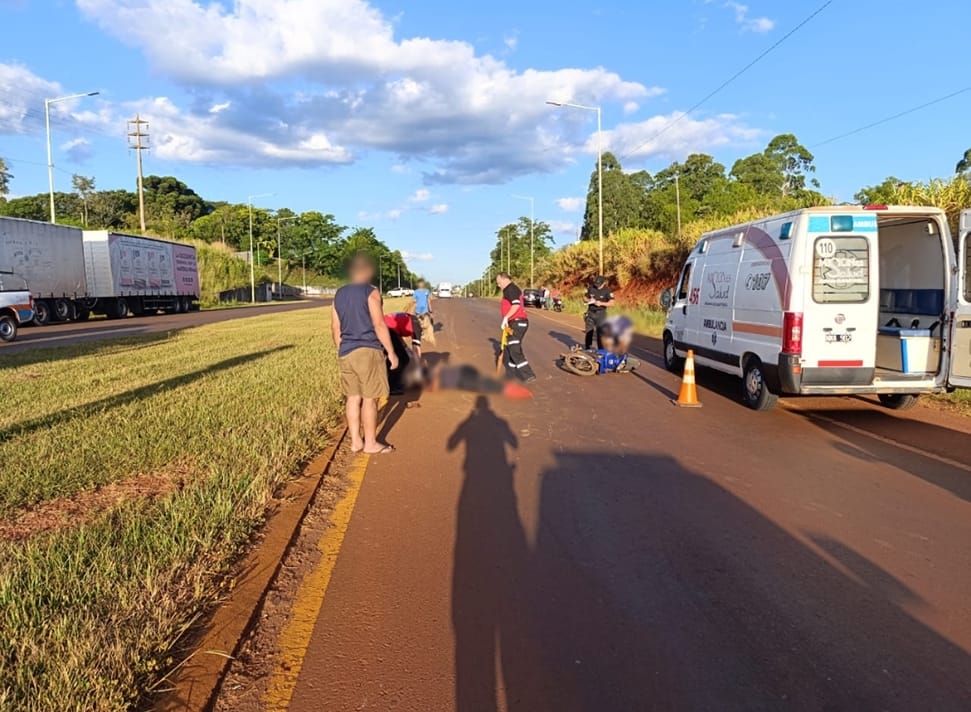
(829,301)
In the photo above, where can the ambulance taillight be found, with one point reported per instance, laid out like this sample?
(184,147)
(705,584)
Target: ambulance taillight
(792,333)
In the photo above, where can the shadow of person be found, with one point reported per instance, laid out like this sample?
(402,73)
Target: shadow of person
(565,339)
(489,612)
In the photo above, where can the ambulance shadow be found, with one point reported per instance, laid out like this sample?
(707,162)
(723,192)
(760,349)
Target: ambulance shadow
(652,587)
(667,393)
(950,444)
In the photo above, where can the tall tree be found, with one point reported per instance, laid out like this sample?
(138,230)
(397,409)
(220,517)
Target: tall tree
(794,160)
(84,187)
(962,166)
(621,201)
(5,178)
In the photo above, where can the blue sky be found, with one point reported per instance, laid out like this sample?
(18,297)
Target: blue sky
(423,119)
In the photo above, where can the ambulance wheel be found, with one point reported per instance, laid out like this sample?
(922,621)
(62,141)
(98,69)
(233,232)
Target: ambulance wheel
(755,392)
(581,364)
(8,328)
(898,401)
(672,361)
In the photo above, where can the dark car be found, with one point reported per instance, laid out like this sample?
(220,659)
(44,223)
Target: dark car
(533,298)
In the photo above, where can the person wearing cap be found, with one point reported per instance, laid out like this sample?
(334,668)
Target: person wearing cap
(598,297)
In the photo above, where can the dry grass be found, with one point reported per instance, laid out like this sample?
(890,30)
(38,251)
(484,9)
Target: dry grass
(90,611)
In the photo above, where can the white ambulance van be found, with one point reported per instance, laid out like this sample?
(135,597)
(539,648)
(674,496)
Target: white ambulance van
(829,301)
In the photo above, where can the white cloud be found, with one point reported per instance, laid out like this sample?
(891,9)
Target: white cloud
(400,168)
(750,24)
(511,41)
(22,108)
(334,70)
(408,255)
(78,150)
(420,196)
(645,139)
(216,108)
(631,107)
(571,205)
(394,213)
(438,209)
(563,227)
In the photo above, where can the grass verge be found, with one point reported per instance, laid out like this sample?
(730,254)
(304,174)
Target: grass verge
(90,611)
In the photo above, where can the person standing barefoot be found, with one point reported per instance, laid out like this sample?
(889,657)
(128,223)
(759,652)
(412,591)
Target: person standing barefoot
(362,341)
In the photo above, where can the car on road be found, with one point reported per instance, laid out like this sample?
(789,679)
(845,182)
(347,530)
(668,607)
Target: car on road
(533,298)
(16,305)
(444,291)
(399,292)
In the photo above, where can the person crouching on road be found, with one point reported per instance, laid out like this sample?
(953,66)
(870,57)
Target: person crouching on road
(514,317)
(598,298)
(616,334)
(422,303)
(362,340)
(404,327)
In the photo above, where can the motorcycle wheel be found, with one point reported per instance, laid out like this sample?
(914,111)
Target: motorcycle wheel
(580,363)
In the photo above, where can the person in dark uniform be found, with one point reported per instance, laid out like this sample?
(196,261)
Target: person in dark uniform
(514,316)
(598,297)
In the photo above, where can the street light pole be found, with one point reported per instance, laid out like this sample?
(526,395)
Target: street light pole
(532,221)
(252,264)
(600,170)
(50,148)
(279,253)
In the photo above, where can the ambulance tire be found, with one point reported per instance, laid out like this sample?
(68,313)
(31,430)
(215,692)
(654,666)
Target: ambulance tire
(755,392)
(898,401)
(672,361)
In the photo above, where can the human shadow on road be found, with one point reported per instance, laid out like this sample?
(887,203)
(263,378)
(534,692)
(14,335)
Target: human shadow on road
(136,394)
(564,339)
(489,595)
(652,587)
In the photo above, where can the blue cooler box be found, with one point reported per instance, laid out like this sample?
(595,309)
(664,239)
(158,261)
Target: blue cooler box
(908,350)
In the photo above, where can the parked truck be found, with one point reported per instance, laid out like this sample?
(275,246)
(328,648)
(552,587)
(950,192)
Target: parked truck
(16,306)
(73,273)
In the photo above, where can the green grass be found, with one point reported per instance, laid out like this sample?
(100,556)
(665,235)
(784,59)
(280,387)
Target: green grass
(90,613)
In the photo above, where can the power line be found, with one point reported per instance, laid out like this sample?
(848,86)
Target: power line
(731,79)
(891,118)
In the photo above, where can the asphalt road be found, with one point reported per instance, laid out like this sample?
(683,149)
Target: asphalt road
(32,337)
(598,549)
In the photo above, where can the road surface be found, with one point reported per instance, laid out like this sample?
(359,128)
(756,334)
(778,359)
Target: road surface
(32,337)
(597,548)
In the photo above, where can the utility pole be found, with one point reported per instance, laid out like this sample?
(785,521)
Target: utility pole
(135,137)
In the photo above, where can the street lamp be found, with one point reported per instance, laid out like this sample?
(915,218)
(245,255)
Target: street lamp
(600,171)
(252,264)
(531,222)
(50,151)
(279,253)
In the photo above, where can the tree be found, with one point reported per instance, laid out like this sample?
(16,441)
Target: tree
(962,166)
(171,205)
(883,194)
(794,161)
(5,178)
(621,200)
(512,251)
(84,187)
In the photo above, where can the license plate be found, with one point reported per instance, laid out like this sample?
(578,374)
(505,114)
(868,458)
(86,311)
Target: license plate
(839,338)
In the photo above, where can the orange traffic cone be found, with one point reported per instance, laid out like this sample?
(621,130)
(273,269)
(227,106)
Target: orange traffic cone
(689,391)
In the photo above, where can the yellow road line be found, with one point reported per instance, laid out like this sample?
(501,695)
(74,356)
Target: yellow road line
(295,638)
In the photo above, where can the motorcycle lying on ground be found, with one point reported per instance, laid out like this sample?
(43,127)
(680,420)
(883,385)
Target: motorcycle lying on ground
(557,304)
(592,363)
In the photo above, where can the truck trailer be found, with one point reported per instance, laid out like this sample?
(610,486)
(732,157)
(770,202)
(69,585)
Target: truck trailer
(73,273)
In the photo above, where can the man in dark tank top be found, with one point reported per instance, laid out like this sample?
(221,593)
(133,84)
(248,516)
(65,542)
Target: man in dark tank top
(363,346)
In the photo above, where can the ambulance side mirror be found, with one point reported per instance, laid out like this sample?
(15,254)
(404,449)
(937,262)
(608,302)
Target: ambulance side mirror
(667,298)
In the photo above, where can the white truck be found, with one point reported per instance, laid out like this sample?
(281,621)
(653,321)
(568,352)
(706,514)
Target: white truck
(829,301)
(16,305)
(73,273)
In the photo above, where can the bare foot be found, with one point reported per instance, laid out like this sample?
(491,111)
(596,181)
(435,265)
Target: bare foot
(381,450)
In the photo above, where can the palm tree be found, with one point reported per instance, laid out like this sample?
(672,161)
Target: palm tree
(965,163)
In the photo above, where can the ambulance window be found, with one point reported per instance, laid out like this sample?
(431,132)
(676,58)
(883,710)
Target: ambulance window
(685,283)
(841,269)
